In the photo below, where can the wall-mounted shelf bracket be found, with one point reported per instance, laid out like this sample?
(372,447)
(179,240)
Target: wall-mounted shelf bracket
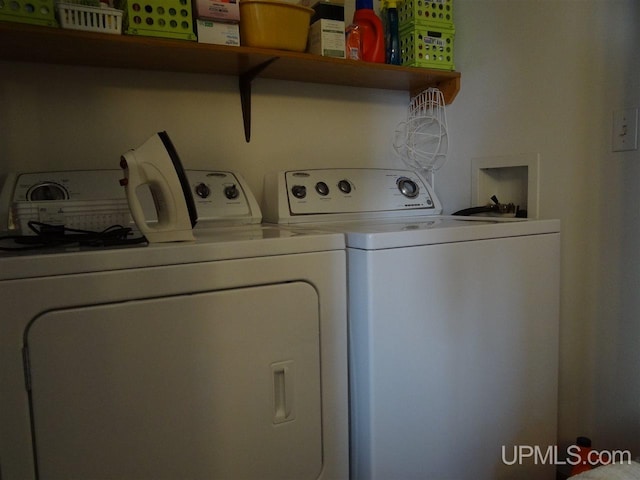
(244,81)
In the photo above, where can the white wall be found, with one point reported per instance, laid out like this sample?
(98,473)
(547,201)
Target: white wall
(542,77)
(75,117)
(538,77)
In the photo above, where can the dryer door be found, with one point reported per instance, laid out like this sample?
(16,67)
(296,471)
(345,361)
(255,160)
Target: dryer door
(222,384)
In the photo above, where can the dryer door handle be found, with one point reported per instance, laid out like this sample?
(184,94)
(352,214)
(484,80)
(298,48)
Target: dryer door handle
(283,392)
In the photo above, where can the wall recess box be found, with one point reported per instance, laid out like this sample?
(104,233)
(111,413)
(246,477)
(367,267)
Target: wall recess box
(512,179)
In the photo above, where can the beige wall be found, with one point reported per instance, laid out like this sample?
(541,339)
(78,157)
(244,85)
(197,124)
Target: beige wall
(538,77)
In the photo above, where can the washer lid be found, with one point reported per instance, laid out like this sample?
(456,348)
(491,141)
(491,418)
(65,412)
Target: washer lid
(409,232)
(223,243)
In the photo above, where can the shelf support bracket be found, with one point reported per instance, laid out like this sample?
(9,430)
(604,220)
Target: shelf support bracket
(245,79)
(448,86)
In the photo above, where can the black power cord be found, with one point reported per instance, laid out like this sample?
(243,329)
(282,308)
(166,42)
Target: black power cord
(52,236)
(495,207)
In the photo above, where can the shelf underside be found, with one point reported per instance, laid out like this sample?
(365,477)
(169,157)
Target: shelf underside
(21,42)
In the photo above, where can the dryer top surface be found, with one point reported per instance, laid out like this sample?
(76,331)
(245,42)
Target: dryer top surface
(211,244)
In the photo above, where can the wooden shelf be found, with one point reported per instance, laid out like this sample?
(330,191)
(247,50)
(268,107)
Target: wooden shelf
(28,43)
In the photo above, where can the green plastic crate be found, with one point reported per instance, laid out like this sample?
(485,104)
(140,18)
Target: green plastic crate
(158,18)
(424,12)
(428,47)
(35,12)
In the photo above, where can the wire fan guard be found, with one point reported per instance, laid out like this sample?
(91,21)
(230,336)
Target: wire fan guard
(422,140)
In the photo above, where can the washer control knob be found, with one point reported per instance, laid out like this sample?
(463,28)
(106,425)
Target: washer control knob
(322,188)
(299,191)
(202,190)
(408,187)
(344,186)
(231,191)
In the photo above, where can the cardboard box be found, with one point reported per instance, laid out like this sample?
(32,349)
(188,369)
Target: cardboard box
(326,37)
(330,11)
(218,33)
(227,10)
(313,3)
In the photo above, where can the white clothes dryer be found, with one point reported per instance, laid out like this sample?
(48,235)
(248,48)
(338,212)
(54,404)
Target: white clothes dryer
(453,326)
(223,358)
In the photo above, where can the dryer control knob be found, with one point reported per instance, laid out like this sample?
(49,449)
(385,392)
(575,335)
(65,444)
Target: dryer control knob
(299,191)
(231,191)
(408,187)
(202,190)
(47,191)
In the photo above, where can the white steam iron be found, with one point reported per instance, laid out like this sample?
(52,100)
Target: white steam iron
(156,164)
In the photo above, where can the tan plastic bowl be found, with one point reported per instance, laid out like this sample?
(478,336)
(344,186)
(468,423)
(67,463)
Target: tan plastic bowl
(274,24)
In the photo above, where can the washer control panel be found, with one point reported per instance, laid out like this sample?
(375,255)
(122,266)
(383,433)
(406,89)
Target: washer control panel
(333,194)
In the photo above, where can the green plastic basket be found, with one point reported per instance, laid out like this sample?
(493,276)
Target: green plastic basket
(424,12)
(36,12)
(428,47)
(158,18)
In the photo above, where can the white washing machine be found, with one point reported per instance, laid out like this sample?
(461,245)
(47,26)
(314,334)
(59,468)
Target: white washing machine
(223,358)
(453,326)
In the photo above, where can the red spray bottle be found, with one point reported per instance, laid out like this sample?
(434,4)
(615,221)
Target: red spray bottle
(371,32)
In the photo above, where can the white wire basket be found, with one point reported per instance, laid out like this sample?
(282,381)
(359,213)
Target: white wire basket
(93,19)
(422,140)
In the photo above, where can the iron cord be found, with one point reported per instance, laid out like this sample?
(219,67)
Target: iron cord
(52,236)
